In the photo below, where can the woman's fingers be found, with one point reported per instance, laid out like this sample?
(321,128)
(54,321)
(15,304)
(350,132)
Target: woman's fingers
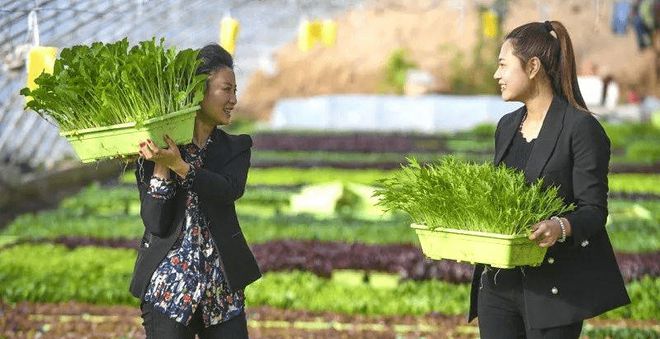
(548,241)
(150,151)
(543,235)
(172,148)
(155,150)
(150,145)
(169,141)
(537,232)
(145,151)
(141,146)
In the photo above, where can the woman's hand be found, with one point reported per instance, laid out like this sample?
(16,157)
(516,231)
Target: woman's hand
(546,233)
(165,158)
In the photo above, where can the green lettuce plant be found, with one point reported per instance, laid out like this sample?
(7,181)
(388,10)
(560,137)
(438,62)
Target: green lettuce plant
(451,193)
(109,83)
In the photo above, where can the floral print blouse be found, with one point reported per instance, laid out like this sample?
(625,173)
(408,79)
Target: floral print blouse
(191,275)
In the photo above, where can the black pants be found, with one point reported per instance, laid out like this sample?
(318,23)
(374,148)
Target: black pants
(501,309)
(159,326)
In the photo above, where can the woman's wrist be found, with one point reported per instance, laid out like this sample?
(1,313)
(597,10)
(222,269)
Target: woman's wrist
(562,228)
(161,172)
(181,168)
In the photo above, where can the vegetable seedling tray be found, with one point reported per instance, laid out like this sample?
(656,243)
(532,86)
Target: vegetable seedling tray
(122,140)
(497,250)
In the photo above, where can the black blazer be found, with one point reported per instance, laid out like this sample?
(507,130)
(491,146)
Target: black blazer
(572,152)
(219,183)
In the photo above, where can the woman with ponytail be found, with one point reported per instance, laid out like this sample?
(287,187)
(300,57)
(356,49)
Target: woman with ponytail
(552,137)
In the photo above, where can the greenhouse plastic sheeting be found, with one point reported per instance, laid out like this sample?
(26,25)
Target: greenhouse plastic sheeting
(29,142)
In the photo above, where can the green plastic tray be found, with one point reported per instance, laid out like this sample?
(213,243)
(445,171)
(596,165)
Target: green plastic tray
(122,140)
(497,250)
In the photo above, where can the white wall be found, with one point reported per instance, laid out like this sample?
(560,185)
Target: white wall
(429,113)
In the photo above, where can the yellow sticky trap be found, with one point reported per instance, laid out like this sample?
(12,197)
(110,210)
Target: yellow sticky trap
(317,30)
(489,23)
(228,33)
(329,32)
(309,34)
(306,39)
(40,59)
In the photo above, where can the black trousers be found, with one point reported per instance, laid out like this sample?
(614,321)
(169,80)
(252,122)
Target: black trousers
(159,326)
(501,309)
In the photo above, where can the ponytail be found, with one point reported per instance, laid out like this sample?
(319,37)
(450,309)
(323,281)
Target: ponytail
(567,73)
(555,53)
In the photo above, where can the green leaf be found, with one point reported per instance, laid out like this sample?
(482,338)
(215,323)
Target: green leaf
(452,193)
(108,83)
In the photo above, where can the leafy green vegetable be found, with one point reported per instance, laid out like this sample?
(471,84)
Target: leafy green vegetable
(644,151)
(297,176)
(305,291)
(108,84)
(53,273)
(451,193)
(635,183)
(622,135)
(52,224)
(589,331)
(644,295)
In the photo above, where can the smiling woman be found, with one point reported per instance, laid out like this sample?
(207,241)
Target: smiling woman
(220,97)
(193,262)
(555,138)
(219,100)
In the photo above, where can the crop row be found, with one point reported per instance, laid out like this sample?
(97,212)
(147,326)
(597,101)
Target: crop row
(622,136)
(53,273)
(287,176)
(323,258)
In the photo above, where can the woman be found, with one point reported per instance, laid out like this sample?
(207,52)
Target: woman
(193,262)
(555,138)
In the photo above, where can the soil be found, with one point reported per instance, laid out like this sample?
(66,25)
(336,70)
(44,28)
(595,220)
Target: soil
(77,320)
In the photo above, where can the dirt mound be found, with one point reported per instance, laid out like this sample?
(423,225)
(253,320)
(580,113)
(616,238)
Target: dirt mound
(430,35)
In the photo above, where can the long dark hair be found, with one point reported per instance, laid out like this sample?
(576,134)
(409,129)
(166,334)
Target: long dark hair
(535,39)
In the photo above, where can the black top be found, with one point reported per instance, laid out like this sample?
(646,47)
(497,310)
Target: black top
(218,183)
(579,278)
(516,157)
(518,153)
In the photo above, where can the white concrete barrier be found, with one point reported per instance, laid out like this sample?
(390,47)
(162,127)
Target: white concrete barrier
(427,113)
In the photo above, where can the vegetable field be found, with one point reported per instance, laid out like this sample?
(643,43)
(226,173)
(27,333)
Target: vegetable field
(344,269)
